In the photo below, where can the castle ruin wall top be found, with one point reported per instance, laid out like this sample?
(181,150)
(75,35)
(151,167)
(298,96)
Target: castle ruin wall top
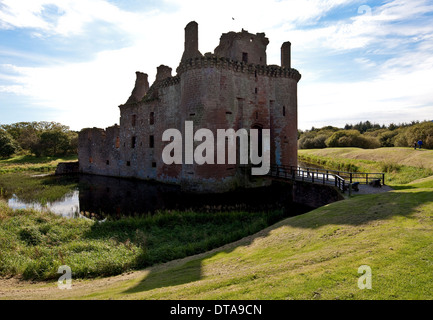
(237,51)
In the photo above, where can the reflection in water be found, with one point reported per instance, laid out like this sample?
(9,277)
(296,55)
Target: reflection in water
(68,206)
(99,197)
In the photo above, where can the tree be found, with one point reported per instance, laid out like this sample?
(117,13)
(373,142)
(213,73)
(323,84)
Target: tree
(43,138)
(7,144)
(54,143)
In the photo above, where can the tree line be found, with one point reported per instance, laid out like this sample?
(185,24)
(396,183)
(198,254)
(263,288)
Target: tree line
(368,135)
(38,138)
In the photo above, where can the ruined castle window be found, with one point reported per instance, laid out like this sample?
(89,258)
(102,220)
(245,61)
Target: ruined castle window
(128,163)
(152,118)
(134,120)
(284,111)
(108,162)
(133,142)
(153,164)
(90,160)
(151,141)
(255,73)
(255,90)
(117,142)
(245,57)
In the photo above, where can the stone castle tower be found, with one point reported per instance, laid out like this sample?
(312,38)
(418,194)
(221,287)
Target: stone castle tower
(231,88)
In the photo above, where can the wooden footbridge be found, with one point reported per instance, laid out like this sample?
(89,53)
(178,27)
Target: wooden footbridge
(340,179)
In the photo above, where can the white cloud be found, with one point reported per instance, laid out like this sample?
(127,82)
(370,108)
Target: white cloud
(61,17)
(88,93)
(390,97)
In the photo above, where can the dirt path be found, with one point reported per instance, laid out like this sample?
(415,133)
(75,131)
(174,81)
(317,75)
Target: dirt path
(366,189)
(17,289)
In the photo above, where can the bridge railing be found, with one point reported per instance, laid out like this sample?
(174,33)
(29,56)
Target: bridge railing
(351,177)
(302,174)
(341,179)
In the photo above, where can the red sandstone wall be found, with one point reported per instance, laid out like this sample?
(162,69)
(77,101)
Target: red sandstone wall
(214,93)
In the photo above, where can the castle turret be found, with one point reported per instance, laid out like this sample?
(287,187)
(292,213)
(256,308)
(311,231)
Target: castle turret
(243,47)
(140,89)
(286,55)
(163,72)
(191,41)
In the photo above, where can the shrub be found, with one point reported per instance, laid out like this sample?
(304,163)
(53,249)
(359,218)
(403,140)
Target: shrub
(315,139)
(421,131)
(352,138)
(317,142)
(30,235)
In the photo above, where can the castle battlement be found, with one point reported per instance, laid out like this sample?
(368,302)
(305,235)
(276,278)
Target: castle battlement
(237,66)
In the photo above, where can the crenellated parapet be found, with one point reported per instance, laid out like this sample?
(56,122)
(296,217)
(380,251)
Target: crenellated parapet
(213,61)
(152,94)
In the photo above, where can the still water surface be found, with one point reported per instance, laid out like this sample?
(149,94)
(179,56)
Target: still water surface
(99,197)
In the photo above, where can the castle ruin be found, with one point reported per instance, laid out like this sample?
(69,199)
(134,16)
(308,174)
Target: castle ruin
(232,88)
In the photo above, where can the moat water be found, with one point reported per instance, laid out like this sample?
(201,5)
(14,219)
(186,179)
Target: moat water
(99,197)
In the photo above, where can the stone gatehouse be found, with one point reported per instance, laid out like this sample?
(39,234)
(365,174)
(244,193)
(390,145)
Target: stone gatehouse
(232,88)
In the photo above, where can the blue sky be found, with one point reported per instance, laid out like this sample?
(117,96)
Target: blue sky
(74,61)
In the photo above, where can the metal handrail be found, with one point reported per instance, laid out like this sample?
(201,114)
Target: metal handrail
(361,177)
(298,173)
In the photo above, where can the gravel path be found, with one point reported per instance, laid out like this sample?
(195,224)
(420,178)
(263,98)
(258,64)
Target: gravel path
(367,189)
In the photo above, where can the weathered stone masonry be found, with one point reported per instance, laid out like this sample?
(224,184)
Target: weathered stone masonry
(232,88)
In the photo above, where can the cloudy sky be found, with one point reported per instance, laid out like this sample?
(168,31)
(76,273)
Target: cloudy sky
(74,61)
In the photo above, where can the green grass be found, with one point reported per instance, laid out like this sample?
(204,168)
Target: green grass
(32,163)
(35,244)
(31,188)
(392,161)
(21,175)
(312,256)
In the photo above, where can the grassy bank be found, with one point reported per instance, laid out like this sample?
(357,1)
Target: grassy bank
(401,165)
(312,256)
(32,163)
(30,187)
(21,175)
(34,244)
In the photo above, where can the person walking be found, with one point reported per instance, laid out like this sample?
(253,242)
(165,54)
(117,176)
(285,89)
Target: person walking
(415,144)
(420,143)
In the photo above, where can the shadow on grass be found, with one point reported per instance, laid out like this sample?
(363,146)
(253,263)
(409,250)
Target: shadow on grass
(188,272)
(357,211)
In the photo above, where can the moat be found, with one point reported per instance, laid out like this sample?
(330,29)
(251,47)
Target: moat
(99,197)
